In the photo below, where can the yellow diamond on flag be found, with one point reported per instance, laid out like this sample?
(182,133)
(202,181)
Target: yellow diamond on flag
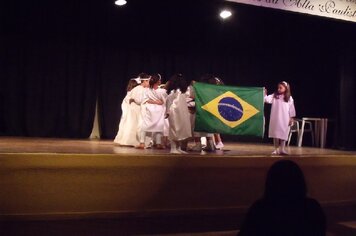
(230,109)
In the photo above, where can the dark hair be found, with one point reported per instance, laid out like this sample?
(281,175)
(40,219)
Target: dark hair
(211,79)
(285,182)
(207,78)
(287,93)
(143,76)
(177,81)
(166,85)
(154,79)
(131,84)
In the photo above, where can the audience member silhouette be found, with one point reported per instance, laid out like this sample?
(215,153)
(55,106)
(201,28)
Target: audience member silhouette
(285,208)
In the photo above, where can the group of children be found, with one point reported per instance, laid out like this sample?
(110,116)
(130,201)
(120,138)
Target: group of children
(163,116)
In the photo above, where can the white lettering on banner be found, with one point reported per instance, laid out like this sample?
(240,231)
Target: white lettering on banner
(337,9)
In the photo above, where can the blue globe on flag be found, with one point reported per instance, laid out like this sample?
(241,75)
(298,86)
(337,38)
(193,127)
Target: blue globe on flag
(230,109)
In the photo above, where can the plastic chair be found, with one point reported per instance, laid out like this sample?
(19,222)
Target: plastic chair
(294,128)
(308,128)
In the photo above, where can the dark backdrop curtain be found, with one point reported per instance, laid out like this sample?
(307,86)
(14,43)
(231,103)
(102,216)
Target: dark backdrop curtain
(346,128)
(49,70)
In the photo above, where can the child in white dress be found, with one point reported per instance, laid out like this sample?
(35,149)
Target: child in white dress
(177,113)
(282,113)
(153,119)
(137,99)
(165,140)
(125,137)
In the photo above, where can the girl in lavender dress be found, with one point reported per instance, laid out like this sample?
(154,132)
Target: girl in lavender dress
(282,113)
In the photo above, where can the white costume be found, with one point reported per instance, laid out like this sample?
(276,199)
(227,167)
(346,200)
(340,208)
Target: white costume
(125,136)
(138,94)
(179,121)
(153,116)
(281,112)
(190,95)
(130,123)
(165,122)
(166,128)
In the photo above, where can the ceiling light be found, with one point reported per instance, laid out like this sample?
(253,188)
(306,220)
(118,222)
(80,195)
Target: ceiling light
(225,14)
(120,2)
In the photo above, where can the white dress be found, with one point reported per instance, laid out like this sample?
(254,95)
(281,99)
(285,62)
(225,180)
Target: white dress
(166,122)
(153,117)
(138,94)
(122,135)
(130,123)
(190,95)
(179,121)
(281,112)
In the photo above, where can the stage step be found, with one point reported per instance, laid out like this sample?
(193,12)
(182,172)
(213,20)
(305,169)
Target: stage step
(342,229)
(347,228)
(216,233)
(99,194)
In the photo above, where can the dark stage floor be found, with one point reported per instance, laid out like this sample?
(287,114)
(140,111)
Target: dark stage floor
(67,146)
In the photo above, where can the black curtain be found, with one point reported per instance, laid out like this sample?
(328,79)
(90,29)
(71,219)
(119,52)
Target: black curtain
(49,70)
(346,128)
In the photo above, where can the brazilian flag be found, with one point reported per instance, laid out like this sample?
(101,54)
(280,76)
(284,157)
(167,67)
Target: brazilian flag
(229,110)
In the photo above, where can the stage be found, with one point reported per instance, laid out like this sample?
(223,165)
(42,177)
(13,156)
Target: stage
(98,147)
(93,187)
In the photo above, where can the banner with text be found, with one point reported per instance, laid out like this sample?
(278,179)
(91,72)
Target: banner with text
(338,9)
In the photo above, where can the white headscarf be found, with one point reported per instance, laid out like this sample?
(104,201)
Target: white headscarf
(138,80)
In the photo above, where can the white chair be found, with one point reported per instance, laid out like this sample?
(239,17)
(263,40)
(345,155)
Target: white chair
(294,128)
(306,128)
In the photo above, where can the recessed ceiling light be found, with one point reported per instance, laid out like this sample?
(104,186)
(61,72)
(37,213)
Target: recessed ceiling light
(225,14)
(120,2)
